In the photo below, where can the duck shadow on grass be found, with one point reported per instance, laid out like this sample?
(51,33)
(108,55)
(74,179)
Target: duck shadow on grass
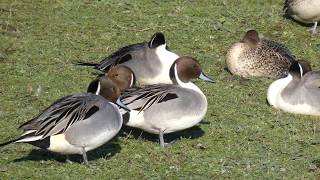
(108,150)
(105,151)
(191,133)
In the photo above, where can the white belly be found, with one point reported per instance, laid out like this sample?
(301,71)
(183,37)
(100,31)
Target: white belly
(181,124)
(297,108)
(59,144)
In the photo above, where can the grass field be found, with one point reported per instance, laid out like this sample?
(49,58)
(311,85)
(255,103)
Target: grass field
(241,137)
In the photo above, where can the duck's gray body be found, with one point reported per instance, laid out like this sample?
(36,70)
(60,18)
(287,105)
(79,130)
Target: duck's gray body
(149,61)
(295,95)
(267,59)
(151,66)
(73,124)
(165,108)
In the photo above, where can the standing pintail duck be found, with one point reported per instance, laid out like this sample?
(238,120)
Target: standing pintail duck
(297,93)
(165,108)
(305,11)
(257,57)
(76,124)
(150,61)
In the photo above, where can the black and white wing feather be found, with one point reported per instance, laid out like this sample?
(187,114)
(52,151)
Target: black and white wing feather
(141,99)
(120,56)
(61,115)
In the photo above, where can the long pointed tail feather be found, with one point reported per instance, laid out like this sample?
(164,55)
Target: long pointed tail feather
(27,136)
(9,142)
(86,64)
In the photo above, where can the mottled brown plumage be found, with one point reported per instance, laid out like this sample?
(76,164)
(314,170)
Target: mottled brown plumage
(258,57)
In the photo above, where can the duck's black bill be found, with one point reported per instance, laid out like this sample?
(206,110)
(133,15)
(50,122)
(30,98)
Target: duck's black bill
(206,78)
(119,103)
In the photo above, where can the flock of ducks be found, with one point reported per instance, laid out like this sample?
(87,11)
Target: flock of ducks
(147,86)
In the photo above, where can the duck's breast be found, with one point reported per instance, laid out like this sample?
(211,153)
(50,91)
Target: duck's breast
(233,58)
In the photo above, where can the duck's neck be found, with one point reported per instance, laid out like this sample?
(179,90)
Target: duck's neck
(192,86)
(175,79)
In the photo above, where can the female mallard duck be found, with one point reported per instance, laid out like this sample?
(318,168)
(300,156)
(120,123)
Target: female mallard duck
(258,57)
(305,11)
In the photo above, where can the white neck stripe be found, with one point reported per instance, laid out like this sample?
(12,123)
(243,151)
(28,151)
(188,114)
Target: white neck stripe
(131,83)
(176,75)
(301,70)
(98,89)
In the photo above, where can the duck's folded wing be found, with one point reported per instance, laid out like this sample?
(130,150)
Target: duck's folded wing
(61,115)
(311,81)
(141,99)
(31,124)
(280,51)
(120,56)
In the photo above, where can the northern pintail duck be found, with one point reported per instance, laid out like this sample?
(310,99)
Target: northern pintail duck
(297,93)
(165,108)
(258,57)
(305,11)
(120,75)
(150,61)
(76,124)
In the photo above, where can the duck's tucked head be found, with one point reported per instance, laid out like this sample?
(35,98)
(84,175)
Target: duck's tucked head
(306,67)
(251,38)
(105,87)
(156,40)
(297,70)
(158,52)
(122,76)
(186,68)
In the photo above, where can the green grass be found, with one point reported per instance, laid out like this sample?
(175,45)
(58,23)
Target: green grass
(241,137)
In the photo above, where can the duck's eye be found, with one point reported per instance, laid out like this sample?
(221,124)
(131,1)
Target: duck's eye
(195,67)
(114,89)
